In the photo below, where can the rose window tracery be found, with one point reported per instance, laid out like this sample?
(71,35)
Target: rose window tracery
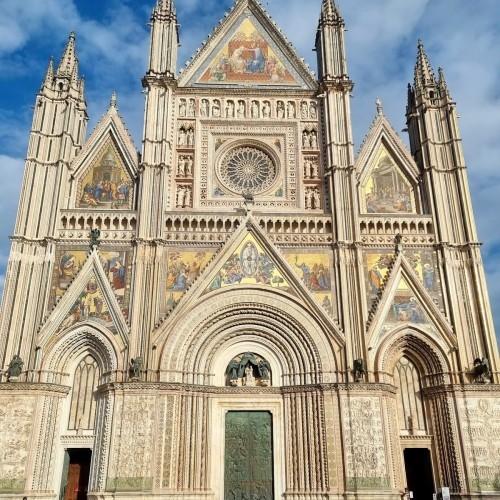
(247,169)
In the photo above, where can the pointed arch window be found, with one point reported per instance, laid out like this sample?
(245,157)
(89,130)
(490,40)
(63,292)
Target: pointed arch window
(411,412)
(83,404)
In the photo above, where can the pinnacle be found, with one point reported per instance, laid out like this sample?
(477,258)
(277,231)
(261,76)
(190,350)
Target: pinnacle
(49,75)
(330,11)
(424,74)
(69,61)
(164,7)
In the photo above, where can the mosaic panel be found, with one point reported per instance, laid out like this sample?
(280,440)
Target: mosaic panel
(248,58)
(184,267)
(423,262)
(116,265)
(249,264)
(315,272)
(106,183)
(386,189)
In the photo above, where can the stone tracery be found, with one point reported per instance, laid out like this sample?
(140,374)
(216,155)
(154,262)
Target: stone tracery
(247,169)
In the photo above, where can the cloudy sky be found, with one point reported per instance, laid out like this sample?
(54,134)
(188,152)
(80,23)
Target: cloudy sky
(112,42)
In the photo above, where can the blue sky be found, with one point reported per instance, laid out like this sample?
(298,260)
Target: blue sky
(112,43)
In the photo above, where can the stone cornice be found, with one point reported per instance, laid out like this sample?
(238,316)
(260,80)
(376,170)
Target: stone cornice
(462,389)
(141,387)
(60,390)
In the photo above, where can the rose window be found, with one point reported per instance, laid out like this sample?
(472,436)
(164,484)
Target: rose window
(247,169)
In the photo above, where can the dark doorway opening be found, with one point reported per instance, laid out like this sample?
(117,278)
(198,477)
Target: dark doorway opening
(76,474)
(419,476)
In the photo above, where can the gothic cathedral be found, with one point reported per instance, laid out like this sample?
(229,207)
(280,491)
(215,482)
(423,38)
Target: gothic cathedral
(246,310)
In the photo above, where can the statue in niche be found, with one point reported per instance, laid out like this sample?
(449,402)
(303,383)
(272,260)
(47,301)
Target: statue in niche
(190,137)
(280,110)
(481,371)
(189,166)
(15,368)
(304,110)
(135,368)
(182,137)
(248,370)
(204,108)
(241,109)
(305,139)
(232,370)
(291,109)
(249,378)
(254,108)
(266,109)
(359,370)
(313,111)
(191,109)
(265,371)
(314,140)
(181,170)
(182,108)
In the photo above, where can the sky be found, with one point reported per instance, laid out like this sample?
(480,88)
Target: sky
(112,44)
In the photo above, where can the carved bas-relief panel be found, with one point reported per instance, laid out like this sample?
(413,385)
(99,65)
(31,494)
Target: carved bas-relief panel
(365,458)
(131,466)
(106,184)
(480,427)
(16,422)
(387,189)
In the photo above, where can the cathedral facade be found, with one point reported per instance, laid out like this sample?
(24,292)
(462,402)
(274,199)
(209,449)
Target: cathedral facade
(246,310)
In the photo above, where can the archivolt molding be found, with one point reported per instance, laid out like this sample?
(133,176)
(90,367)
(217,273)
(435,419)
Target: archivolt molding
(236,321)
(64,351)
(423,350)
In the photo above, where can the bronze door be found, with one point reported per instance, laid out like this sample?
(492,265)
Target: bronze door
(248,471)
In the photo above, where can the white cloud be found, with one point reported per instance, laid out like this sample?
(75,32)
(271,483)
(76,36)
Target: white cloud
(381,46)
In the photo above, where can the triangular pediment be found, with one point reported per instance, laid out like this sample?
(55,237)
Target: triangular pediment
(89,299)
(247,50)
(250,260)
(105,171)
(405,302)
(388,178)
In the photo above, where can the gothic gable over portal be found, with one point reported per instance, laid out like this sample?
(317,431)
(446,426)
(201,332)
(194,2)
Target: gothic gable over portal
(105,171)
(388,177)
(247,49)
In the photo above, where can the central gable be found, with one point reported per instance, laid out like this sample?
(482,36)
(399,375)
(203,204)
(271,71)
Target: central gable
(246,53)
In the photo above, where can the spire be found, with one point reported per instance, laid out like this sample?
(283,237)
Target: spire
(164,8)
(330,12)
(423,71)
(443,86)
(164,39)
(49,75)
(68,60)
